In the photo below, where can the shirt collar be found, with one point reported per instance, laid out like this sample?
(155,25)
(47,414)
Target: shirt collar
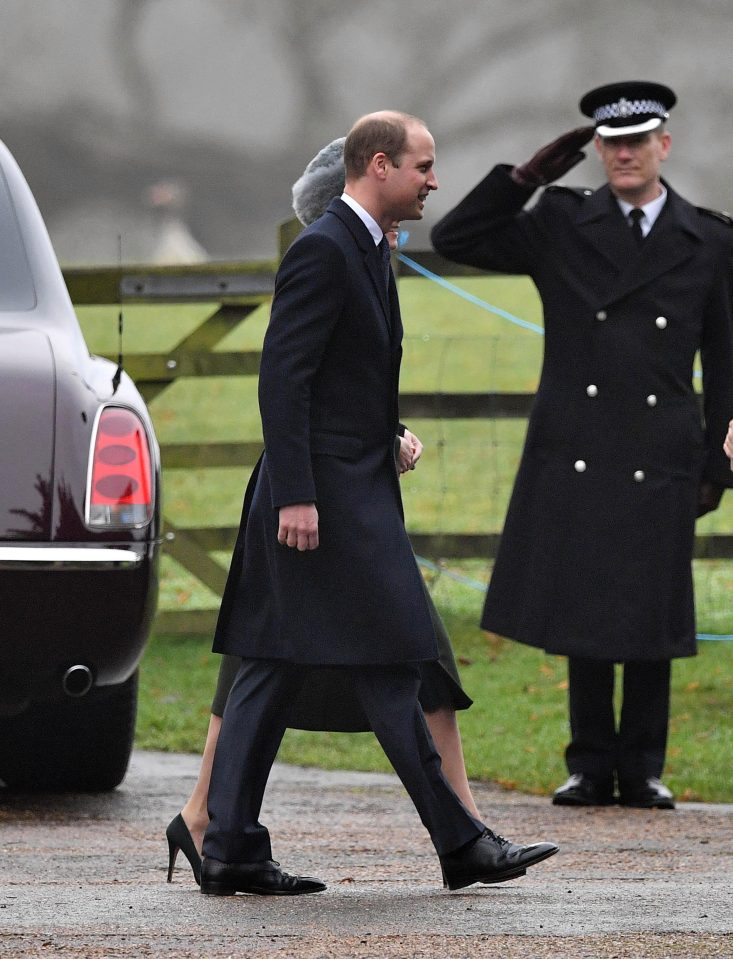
(366,218)
(651,209)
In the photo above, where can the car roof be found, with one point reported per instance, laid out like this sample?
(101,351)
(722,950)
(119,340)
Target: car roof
(33,293)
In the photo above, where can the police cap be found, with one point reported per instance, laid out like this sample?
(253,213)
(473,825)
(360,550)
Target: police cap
(624,109)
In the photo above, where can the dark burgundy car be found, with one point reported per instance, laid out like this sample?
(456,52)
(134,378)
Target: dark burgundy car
(79,525)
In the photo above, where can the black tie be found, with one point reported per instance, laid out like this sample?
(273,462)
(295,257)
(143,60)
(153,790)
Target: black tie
(636,215)
(385,254)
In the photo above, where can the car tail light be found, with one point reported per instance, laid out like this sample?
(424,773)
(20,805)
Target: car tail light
(120,490)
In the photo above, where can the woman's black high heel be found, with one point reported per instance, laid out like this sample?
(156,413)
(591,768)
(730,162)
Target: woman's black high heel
(179,837)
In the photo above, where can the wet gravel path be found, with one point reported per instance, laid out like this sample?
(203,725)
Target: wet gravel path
(84,876)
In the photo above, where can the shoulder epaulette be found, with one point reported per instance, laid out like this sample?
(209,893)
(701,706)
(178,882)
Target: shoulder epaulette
(580,191)
(717,214)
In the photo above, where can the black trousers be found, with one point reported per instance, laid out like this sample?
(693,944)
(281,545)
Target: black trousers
(635,749)
(254,722)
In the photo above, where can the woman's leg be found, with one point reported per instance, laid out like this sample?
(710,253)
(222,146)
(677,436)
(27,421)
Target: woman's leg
(195,813)
(443,727)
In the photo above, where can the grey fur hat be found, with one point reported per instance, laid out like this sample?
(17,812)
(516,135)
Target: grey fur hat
(322,180)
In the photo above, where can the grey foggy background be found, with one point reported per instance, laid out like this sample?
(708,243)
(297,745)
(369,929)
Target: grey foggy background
(179,125)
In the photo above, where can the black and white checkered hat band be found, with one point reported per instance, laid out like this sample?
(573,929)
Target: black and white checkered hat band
(628,108)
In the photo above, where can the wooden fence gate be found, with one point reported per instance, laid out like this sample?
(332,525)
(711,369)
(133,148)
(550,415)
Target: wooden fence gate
(239,289)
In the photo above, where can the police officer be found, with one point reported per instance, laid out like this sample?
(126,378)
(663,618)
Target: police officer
(595,556)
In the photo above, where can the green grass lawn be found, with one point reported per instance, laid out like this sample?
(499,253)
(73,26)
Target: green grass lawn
(516,730)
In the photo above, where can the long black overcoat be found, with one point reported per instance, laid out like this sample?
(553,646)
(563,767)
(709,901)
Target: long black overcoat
(595,555)
(328,391)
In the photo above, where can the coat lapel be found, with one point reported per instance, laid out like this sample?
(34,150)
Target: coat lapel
(601,224)
(394,314)
(368,250)
(671,242)
(373,261)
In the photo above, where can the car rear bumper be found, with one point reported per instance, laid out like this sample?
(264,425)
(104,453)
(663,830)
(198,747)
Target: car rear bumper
(68,606)
(71,557)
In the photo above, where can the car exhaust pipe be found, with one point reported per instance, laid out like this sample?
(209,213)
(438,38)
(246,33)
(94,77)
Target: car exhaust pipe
(77,680)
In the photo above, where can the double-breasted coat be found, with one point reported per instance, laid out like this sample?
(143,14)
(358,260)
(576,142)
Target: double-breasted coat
(596,552)
(328,393)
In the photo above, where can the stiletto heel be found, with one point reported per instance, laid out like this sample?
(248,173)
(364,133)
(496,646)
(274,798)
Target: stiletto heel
(179,837)
(172,854)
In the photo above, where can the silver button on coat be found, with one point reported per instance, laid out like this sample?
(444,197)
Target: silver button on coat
(661,322)
(580,466)
(639,476)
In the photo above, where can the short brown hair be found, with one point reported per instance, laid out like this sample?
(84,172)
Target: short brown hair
(376,133)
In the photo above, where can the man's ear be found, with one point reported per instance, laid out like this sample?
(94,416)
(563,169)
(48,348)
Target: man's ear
(666,144)
(380,162)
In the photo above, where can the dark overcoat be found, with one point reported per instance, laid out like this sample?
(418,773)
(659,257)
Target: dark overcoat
(595,556)
(328,391)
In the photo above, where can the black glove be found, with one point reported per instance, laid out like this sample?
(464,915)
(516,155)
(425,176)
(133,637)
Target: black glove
(708,497)
(555,159)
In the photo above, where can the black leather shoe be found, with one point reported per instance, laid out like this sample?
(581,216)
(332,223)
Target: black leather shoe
(491,859)
(259,878)
(581,790)
(647,794)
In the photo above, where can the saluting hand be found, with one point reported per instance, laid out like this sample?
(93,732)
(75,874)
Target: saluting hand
(299,526)
(554,160)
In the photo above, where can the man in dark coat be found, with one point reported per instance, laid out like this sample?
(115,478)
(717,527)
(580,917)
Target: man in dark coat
(328,577)
(595,557)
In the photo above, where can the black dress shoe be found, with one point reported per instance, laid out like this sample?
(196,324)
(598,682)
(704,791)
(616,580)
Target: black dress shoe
(179,837)
(581,790)
(647,794)
(491,859)
(259,878)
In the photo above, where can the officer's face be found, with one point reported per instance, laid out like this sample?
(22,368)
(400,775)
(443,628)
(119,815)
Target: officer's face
(633,164)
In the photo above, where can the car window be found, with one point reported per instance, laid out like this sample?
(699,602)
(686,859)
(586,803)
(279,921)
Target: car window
(16,280)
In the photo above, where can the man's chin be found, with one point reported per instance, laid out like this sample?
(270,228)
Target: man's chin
(626,182)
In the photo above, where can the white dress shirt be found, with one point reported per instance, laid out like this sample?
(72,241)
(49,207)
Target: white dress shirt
(650,210)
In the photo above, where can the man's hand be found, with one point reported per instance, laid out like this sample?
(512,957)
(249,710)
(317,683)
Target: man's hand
(299,526)
(728,444)
(410,452)
(554,160)
(708,497)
